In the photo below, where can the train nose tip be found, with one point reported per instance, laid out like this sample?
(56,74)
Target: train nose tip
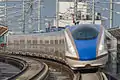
(87,65)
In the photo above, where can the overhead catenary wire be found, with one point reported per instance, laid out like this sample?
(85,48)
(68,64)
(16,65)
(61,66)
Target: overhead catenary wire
(111,10)
(18,12)
(11,15)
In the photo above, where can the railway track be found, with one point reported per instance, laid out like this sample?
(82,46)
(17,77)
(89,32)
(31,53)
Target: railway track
(58,71)
(61,72)
(92,76)
(33,70)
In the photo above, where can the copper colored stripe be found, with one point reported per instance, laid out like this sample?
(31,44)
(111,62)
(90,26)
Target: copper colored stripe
(69,34)
(99,39)
(73,58)
(101,56)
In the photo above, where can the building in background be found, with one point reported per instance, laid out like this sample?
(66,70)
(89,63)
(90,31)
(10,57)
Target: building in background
(3,35)
(83,15)
(12,14)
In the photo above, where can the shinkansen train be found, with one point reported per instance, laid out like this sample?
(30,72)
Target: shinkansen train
(80,45)
(87,45)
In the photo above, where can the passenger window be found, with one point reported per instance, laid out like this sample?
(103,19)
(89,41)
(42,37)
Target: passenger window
(51,41)
(46,42)
(28,41)
(56,41)
(22,41)
(60,41)
(41,42)
(34,41)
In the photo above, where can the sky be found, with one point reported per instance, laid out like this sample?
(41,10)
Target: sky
(105,13)
(15,20)
(48,8)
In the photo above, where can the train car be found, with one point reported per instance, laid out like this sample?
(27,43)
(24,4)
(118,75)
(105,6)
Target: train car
(80,45)
(39,42)
(86,46)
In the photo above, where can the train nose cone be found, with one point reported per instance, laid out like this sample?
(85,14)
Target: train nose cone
(87,53)
(86,49)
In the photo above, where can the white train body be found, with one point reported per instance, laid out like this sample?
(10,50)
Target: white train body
(63,45)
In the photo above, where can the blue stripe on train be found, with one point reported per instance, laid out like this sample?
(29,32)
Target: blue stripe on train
(86,48)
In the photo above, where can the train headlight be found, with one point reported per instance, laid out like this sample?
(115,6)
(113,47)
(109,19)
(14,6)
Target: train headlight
(70,47)
(101,48)
(72,51)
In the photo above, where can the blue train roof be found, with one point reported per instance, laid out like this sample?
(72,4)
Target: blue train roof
(71,28)
(85,37)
